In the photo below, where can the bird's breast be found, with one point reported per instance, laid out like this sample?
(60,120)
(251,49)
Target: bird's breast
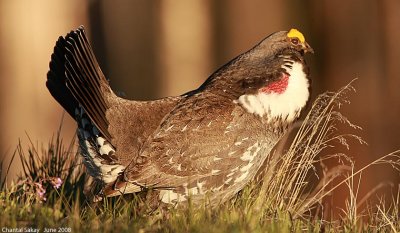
(283,99)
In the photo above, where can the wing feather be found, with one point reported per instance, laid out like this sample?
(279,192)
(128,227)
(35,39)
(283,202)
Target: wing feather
(194,142)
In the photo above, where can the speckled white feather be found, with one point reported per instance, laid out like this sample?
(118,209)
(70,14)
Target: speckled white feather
(92,145)
(108,173)
(242,177)
(105,149)
(251,152)
(170,197)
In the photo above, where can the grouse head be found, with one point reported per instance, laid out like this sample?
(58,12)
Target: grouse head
(270,80)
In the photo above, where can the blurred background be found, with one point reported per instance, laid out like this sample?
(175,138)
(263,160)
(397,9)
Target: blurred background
(152,49)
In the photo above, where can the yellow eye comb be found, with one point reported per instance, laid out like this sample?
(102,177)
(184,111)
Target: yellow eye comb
(294,33)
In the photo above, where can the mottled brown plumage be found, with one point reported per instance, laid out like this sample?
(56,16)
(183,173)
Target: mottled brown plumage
(210,141)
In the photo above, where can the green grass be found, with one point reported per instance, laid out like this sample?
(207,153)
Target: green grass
(287,196)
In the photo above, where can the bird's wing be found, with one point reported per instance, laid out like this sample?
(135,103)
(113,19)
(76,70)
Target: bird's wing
(132,123)
(198,139)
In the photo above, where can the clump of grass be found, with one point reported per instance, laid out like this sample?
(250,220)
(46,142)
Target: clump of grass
(51,185)
(281,199)
(285,184)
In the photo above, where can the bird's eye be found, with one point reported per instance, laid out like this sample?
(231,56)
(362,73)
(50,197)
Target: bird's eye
(294,41)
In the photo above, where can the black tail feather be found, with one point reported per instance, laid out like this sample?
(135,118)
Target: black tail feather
(76,80)
(56,79)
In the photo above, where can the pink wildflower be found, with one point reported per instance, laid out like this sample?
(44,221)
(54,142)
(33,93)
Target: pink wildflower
(40,191)
(56,182)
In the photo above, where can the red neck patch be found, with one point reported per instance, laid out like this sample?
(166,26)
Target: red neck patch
(277,87)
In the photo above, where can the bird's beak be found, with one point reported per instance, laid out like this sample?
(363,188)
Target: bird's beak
(307,48)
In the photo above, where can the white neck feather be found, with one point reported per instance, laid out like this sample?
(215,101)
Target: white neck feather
(286,105)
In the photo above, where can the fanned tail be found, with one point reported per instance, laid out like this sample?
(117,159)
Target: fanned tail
(75,80)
